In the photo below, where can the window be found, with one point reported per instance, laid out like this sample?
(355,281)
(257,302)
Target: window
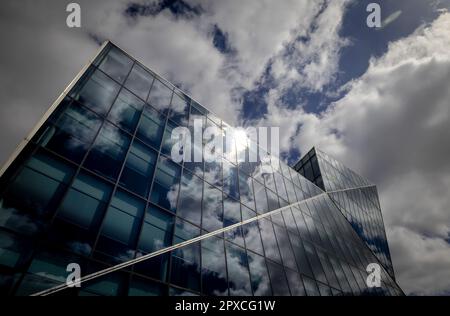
(269,240)
(43,181)
(151,127)
(272,200)
(116,64)
(214,275)
(185,270)
(285,247)
(230,180)
(97,93)
(108,152)
(145,287)
(212,209)
(190,200)
(315,263)
(126,111)
(123,219)
(139,166)
(251,232)
(259,275)
(179,109)
(246,190)
(213,173)
(168,142)
(157,230)
(260,197)
(278,278)
(166,184)
(160,96)
(280,186)
(85,202)
(300,255)
(139,81)
(310,287)
(295,283)
(72,133)
(238,274)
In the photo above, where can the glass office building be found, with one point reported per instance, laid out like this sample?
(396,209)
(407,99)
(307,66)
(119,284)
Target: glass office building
(94,184)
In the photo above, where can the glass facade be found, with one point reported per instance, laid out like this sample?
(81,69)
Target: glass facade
(355,196)
(96,186)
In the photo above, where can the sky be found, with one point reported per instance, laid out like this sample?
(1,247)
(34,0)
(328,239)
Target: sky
(376,99)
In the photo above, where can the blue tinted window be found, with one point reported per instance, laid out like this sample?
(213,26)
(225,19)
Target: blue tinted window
(166,184)
(145,287)
(157,230)
(168,142)
(246,190)
(108,152)
(285,247)
(151,127)
(139,81)
(251,232)
(126,110)
(98,93)
(85,202)
(42,182)
(213,173)
(123,218)
(116,64)
(139,166)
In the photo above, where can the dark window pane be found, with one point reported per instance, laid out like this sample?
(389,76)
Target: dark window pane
(145,287)
(190,200)
(151,127)
(259,276)
(238,274)
(42,182)
(116,64)
(315,263)
(278,278)
(139,166)
(160,96)
(252,235)
(126,110)
(157,230)
(166,184)
(139,81)
(85,202)
(98,93)
(185,271)
(123,218)
(108,152)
